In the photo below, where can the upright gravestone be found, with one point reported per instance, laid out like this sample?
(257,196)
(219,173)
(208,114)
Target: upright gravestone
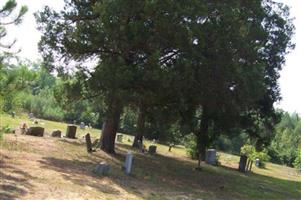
(128,163)
(119,138)
(82,125)
(88,142)
(243,163)
(56,133)
(30,116)
(211,157)
(35,131)
(257,162)
(71,131)
(152,149)
(102,168)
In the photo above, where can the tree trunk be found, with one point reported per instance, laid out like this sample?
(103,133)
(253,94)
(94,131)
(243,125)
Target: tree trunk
(140,128)
(202,137)
(110,127)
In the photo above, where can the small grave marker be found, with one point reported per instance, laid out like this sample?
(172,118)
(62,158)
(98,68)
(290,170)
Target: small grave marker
(243,163)
(56,133)
(82,125)
(88,142)
(71,131)
(119,138)
(128,163)
(102,169)
(152,149)
(35,131)
(211,157)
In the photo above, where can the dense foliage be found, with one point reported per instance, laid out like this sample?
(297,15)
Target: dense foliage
(286,145)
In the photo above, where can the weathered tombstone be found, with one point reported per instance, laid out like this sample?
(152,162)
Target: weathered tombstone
(88,142)
(102,168)
(211,157)
(128,163)
(56,133)
(71,131)
(242,163)
(82,125)
(152,149)
(139,144)
(119,138)
(35,131)
(30,116)
(257,162)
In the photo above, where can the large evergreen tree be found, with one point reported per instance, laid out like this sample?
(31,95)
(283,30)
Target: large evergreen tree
(132,41)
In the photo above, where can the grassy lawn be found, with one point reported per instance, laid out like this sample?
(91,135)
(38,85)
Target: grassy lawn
(59,168)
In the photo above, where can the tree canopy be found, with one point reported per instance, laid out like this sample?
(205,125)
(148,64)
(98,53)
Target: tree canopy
(214,61)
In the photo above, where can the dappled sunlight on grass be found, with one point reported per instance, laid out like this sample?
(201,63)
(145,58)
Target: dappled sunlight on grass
(59,168)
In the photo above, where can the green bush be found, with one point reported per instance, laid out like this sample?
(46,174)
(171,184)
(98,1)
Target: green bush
(1,135)
(297,162)
(252,154)
(191,146)
(5,129)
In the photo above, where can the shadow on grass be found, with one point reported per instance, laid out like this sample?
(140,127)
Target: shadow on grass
(164,176)
(75,142)
(220,182)
(14,183)
(78,172)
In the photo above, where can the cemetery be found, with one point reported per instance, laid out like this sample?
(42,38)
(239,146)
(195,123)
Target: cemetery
(64,168)
(149,100)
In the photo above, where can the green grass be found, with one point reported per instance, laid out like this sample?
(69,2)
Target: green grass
(48,125)
(167,175)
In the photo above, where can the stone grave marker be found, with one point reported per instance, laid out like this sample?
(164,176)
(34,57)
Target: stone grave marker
(71,131)
(30,116)
(257,162)
(211,157)
(82,125)
(56,133)
(88,142)
(152,149)
(243,163)
(35,131)
(128,163)
(119,138)
(102,169)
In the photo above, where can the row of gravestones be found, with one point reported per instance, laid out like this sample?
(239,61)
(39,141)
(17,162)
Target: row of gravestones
(152,149)
(39,131)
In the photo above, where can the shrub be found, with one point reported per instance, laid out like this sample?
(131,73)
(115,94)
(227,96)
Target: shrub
(252,154)
(297,162)
(5,129)
(191,146)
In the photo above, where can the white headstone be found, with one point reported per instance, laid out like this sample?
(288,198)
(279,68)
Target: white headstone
(128,163)
(82,125)
(257,162)
(211,157)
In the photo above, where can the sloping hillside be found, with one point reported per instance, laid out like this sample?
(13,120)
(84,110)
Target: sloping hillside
(59,168)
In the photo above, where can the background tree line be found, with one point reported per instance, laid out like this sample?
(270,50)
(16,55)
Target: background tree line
(30,88)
